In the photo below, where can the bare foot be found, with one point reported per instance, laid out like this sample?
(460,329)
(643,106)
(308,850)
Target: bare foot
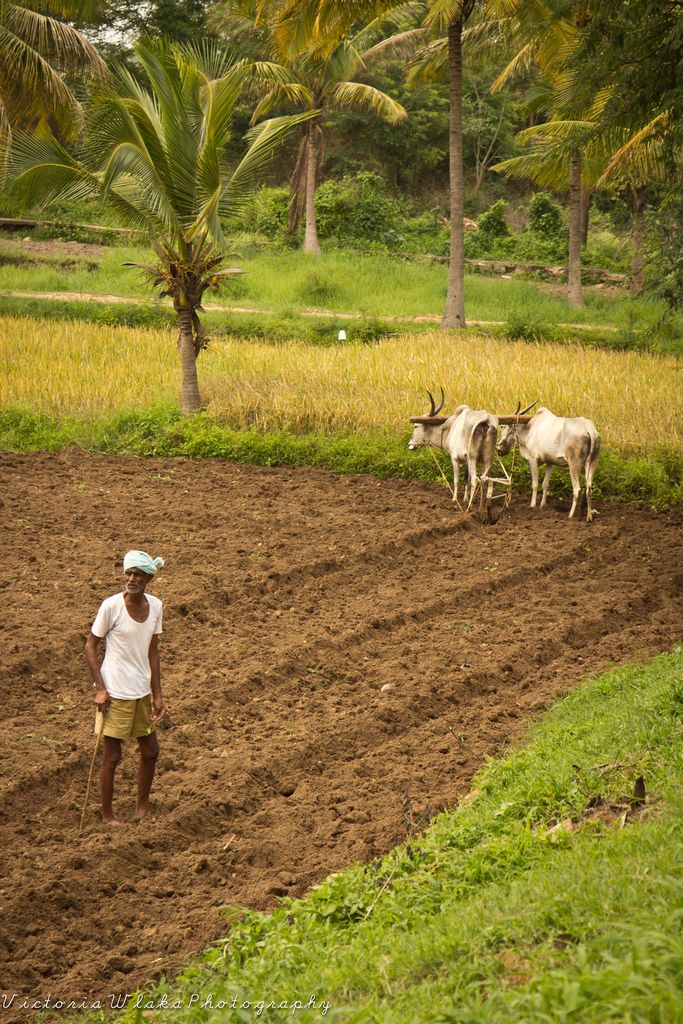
(111,821)
(142,812)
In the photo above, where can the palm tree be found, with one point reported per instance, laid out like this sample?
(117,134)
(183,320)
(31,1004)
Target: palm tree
(601,157)
(36,47)
(157,157)
(315,73)
(442,16)
(448,19)
(593,139)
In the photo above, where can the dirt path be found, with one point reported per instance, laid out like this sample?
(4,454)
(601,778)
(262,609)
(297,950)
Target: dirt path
(327,313)
(291,597)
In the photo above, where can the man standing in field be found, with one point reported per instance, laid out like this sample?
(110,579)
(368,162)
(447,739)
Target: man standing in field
(128,682)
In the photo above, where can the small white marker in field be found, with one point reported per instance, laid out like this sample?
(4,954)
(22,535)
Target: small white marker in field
(342,335)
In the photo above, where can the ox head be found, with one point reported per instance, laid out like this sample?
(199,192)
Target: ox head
(423,425)
(510,426)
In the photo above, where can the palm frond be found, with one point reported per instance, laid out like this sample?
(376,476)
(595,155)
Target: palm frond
(520,63)
(31,86)
(551,171)
(573,133)
(358,96)
(290,94)
(43,172)
(271,72)
(429,64)
(265,139)
(643,156)
(218,99)
(442,13)
(239,29)
(52,38)
(488,34)
(394,21)
(342,62)
(68,10)
(401,45)
(211,56)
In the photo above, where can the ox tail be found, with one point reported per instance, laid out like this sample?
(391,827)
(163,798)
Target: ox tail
(488,446)
(483,443)
(592,451)
(476,440)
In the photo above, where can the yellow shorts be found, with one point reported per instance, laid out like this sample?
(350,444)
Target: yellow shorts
(128,719)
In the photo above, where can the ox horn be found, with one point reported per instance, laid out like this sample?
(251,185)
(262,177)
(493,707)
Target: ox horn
(434,411)
(525,411)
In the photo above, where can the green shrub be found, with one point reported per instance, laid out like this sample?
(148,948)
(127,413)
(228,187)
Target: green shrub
(664,252)
(357,208)
(604,249)
(546,217)
(526,327)
(268,212)
(533,248)
(426,233)
(492,224)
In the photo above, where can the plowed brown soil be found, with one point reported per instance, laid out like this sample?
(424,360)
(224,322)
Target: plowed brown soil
(291,597)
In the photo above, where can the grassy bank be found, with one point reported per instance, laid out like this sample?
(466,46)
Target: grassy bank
(271,327)
(344,282)
(551,895)
(289,325)
(655,480)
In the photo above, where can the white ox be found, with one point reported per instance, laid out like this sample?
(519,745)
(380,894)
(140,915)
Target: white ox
(552,440)
(469,436)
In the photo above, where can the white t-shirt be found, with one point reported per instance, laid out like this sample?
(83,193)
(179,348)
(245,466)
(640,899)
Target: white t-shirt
(126,671)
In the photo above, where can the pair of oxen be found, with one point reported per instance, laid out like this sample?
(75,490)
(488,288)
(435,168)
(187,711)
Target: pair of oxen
(470,436)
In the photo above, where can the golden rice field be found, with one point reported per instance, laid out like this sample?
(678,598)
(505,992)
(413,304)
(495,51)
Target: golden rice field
(83,370)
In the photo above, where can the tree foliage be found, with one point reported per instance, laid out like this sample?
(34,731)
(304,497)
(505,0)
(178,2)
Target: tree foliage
(37,47)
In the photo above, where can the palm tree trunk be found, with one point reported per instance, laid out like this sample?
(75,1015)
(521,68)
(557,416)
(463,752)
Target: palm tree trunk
(454,314)
(575,294)
(585,210)
(190,400)
(638,204)
(311,243)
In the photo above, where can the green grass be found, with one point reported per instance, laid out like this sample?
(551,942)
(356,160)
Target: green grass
(655,480)
(276,327)
(489,917)
(289,325)
(345,282)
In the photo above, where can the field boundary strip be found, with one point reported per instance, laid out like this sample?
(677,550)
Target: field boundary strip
(211,307)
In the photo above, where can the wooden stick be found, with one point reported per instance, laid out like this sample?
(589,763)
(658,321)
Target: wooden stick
(436,462)
(98,732)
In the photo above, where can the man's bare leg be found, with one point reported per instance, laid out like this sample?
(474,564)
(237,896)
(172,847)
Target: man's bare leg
(149,752)
(110,760)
